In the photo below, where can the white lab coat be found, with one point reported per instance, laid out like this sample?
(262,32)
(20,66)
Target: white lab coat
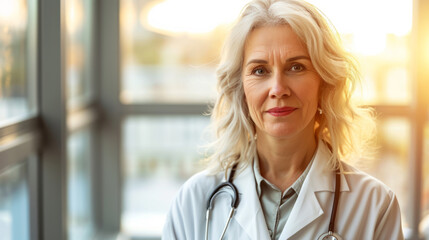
(367,209)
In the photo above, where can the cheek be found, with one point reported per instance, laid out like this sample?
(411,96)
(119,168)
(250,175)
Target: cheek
(311,96)
(254,94)
(254,99)
(309,93)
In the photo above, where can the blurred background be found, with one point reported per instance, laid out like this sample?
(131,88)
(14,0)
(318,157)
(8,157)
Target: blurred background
(102,107)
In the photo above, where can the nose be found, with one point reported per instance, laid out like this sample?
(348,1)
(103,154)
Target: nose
(279,86)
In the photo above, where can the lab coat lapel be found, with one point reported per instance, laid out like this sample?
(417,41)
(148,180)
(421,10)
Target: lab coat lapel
(307,207)
(249,213)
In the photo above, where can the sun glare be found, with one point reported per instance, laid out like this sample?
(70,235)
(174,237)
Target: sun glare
(13,14)
(369,22)
(384,16)
(189,16)
(74,17)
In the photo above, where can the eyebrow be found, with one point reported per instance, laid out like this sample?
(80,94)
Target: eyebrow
(288,60)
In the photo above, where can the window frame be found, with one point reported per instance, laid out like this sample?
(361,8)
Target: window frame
(58,121)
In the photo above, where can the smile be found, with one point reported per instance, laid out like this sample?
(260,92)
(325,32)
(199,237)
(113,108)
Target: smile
(281,111)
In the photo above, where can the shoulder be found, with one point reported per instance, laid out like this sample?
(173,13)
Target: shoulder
(199,186)
(372,205)
(359,180)
(188,209)
(365,188)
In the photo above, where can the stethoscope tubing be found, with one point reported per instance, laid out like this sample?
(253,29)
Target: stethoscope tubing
(335,204)
(331,235)
(235,200)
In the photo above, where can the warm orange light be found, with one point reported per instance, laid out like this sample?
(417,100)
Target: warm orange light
(384,16)
(128,16)
(368,21)
(189,16)
(13,14)
(74,15)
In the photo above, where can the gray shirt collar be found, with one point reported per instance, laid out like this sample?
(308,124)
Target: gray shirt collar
(296,186)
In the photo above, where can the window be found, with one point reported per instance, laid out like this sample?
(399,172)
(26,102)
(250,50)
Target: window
(81,132)
(19,136)
(79,53)
(17,60)
(169,58)
(424,225)
(14,203)
(160,153)
(80,184)
(391,162)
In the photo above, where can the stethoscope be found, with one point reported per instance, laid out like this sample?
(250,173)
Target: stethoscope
(330,235)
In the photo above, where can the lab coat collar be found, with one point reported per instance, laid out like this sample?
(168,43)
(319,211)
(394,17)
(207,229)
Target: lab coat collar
(249,213)
(307,207)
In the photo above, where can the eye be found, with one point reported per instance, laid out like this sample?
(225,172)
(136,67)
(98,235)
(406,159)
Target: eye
(259,71)
(297,67)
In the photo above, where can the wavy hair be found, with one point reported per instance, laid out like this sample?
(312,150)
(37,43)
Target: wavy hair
(347,128)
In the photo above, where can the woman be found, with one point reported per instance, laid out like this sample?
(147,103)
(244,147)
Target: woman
(285,124)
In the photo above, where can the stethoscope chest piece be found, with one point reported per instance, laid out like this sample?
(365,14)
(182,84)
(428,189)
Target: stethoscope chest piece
(330,236)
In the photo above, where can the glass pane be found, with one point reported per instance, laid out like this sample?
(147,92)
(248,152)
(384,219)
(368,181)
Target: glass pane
(160,153)
(79,49)
(167,57)
(18,46)
(391,163)
(424,225)
(79,185)
(14,204)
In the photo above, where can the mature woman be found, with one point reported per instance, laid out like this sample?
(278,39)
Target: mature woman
(287,133)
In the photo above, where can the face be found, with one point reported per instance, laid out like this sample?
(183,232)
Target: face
(280,83)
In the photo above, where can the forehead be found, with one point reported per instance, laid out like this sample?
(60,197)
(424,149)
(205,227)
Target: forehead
(279,39)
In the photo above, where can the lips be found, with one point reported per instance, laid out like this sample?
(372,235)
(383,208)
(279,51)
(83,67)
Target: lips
(281,111)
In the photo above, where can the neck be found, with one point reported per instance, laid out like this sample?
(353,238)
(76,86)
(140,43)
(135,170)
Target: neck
(282,161)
